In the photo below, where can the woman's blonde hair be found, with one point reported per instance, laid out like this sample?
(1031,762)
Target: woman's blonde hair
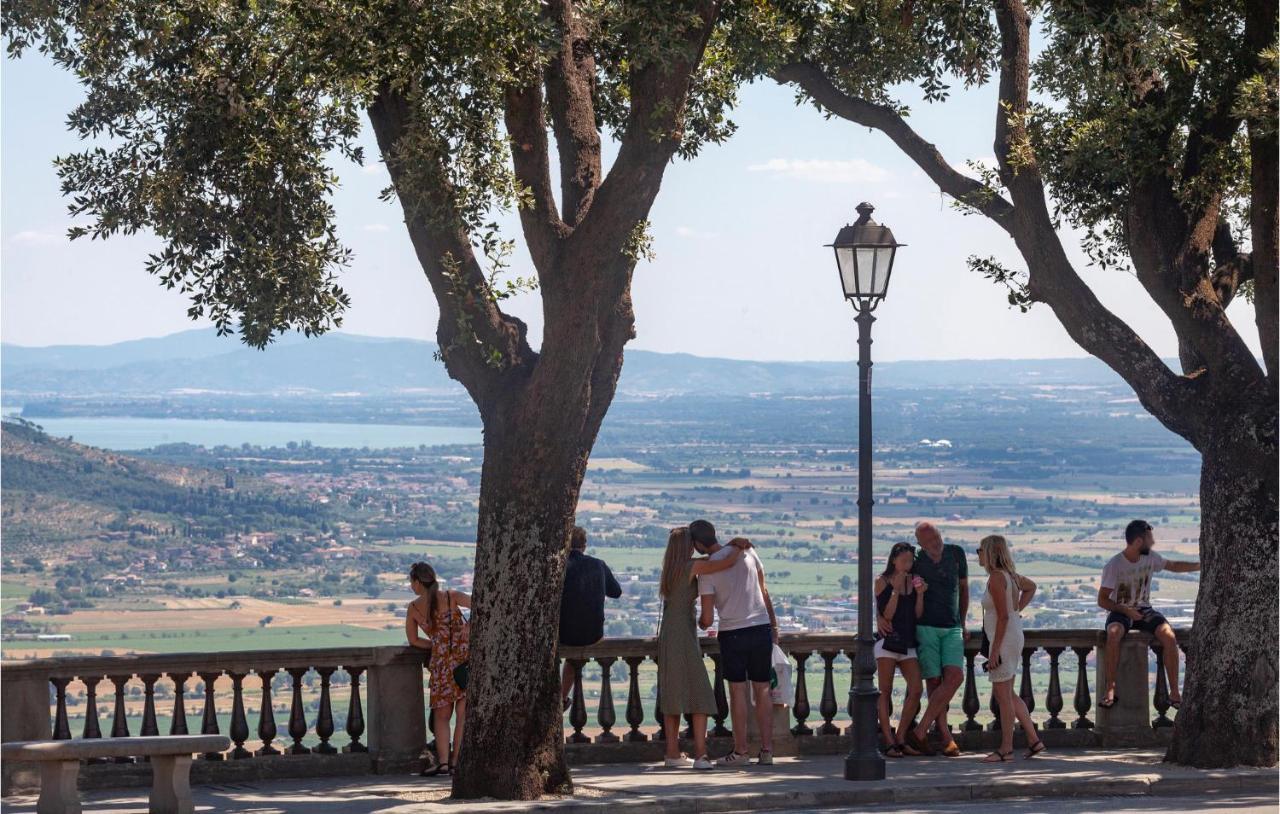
(676,563)
(999,557)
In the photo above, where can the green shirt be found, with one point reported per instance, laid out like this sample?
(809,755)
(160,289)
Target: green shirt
(942,600)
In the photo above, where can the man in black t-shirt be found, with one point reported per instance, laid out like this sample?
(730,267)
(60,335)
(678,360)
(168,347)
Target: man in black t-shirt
(587,581)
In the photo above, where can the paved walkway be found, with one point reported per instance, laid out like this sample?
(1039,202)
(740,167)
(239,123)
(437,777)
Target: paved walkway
(937,784)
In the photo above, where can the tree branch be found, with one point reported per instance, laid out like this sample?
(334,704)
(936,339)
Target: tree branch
(570,80)
(1051,277)
(927,157)
(541,223)
(481,346)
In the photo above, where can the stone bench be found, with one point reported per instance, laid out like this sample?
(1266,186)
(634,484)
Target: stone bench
(170,767)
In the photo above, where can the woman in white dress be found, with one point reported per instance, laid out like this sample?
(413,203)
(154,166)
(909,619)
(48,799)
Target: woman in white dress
(1007,594)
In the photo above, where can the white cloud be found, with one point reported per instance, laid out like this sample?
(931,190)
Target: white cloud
(376,227)
(36,237)
(373,168)
(695,234)
(852,171)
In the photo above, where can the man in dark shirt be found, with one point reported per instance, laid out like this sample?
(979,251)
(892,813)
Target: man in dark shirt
(940,631)
(587,581)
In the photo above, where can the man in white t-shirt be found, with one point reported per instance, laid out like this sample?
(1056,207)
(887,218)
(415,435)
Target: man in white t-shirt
(748,630)
(1126,596)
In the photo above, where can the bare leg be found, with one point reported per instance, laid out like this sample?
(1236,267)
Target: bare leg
(911,704)
(1023,715)
(1169,646)
(671,728)
(460,715)
(764,715)
(738,715)
(440,725)
(939,700)
(885,670)
(699,727)
(1115,634)
(1004,697)
(566,680)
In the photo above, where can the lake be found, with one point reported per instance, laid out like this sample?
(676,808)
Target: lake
(141,433)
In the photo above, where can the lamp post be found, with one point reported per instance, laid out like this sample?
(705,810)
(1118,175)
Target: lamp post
(864,257)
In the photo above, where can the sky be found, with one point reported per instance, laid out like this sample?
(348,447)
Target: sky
(741,267)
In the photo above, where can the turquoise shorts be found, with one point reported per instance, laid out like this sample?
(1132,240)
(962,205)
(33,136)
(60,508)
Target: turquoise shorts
(939,647)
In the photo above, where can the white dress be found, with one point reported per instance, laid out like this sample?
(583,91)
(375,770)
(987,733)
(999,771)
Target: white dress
(1011,647)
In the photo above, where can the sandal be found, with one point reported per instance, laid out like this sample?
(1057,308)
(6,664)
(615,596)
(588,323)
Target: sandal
(894,751)
(1035,749)
(438,770)
(908,750)
(1105,704)
(1176,704)
(1000,757)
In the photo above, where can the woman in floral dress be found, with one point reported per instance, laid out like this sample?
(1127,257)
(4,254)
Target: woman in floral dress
(436,613)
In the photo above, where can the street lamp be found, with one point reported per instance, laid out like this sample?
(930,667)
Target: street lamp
(864,257)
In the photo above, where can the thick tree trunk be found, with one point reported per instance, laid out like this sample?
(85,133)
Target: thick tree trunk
(513,746)
(1229,710)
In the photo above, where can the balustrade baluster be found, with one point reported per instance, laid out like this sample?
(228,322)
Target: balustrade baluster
(91,728)
(827,707)
(801,708)
(661,734)
(266,715)
(297,717)
(722,701)
(1053,701)
(1083,701)
(1160,698)
(178,723)
(61,726)
(324,717)
(605,715)
(149,727)
(994,726)
(971,705)
(635,708)
(355,713)
(1024,689)
(209,719)
(239,721)
(119,720)
(578,710)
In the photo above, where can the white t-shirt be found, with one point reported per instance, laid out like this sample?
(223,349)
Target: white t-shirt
(736,590)
(1130,582)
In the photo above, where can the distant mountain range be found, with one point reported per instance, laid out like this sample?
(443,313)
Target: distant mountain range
(346,363)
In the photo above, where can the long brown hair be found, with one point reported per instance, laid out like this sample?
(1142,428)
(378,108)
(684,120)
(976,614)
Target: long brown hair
(676,562)
(425,575)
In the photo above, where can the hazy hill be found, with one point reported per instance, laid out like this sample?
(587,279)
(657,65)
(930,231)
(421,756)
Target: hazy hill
(346,363)
(60,493)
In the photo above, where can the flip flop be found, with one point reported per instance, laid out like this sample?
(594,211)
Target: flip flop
(1115,699)
(1001,757)
(894,751)
(1176,704)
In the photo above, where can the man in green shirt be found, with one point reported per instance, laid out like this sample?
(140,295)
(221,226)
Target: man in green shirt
(940,632)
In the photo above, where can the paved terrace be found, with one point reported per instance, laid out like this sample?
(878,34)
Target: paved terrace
(791,784)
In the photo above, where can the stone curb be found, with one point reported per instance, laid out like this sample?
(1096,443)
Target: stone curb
(1150,785)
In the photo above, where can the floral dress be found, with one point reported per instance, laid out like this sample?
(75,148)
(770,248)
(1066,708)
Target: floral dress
(450,648)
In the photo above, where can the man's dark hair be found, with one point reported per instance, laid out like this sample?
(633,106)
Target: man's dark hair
(578,538)
(702,532)
(1136,529)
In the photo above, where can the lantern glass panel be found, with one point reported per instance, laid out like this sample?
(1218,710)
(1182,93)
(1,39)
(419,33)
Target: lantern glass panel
(883,264)
(844,258)
(866,270)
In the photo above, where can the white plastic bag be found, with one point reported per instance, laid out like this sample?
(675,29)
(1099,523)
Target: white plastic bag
(780,690)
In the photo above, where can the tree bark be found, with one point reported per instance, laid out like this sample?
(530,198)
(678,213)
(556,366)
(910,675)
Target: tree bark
(1229,711)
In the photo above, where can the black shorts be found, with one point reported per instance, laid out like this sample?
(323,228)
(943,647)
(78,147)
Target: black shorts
(747,653)
(1151,619)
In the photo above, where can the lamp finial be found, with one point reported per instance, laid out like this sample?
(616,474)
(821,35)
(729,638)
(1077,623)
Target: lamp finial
(864,213)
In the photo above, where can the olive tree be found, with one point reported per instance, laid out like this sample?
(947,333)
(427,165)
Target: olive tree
(217,126)
(1150,127)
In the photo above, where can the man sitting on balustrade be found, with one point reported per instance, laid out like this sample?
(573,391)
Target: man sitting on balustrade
(1126,596)
(587,581)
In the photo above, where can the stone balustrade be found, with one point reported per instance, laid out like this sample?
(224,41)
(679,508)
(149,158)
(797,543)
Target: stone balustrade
(390,736)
